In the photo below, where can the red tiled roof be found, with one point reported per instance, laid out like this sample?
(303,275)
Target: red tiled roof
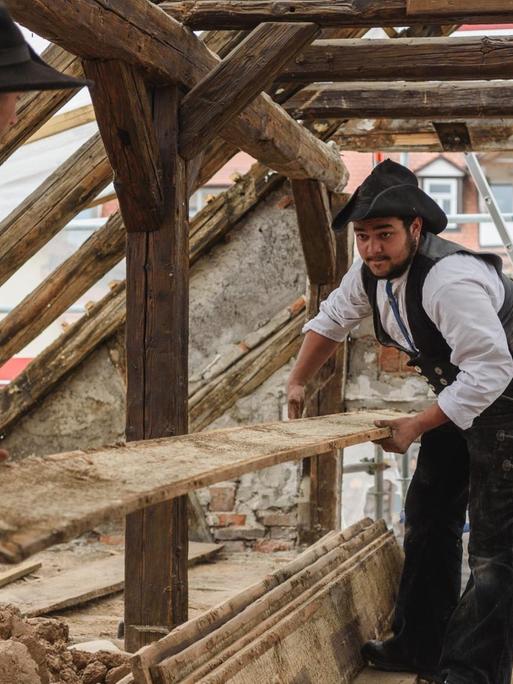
(12,368)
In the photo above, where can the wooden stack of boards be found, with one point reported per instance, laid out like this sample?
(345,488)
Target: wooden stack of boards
(303,624)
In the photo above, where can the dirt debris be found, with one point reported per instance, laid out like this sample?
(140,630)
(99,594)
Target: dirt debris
(35,651)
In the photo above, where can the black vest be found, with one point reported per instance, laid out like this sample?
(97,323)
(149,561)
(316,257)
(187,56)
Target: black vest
(433,358)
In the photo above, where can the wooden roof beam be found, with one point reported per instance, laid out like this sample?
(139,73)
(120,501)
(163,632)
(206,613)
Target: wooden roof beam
(409,59)
(244,14)
(425,100)
(237,80)
(368,135)
(140,33)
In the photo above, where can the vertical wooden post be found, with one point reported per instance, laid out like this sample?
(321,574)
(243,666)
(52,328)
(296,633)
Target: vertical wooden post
(139,126)
(157,346)
(324,472)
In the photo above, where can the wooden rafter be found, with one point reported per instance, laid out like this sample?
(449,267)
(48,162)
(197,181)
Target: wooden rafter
(64,122)
(427,100)
(140,33)
(237,80)
(52,205)
(243,14)
(368,135)
(411,59)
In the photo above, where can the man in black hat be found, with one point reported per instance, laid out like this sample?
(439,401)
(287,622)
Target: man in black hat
(21,69)
(451,311)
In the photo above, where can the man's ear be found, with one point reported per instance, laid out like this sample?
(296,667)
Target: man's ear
(416,227)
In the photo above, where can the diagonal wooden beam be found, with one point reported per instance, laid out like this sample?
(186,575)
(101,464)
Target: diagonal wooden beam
(140,33)
(35,108)
(411,59)
(64,122)
(237,80)
(427,100)
(124,116)
(244,14)
(52,205)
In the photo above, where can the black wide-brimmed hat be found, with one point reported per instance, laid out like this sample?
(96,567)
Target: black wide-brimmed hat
(391,190)
(21,68)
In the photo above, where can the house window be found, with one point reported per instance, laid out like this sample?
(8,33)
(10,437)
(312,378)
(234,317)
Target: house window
(488,234)
(445,192)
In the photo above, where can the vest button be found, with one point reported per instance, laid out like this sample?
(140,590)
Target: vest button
(443,382)
(438,371)
(431,387)
(418,369)
(507,465)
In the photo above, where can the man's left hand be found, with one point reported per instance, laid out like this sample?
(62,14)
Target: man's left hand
(404,432)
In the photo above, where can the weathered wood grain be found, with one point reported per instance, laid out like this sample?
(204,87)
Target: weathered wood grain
(295,617)
(314,222)
(244,14)
(222,642)
(429,100)
(199,627)
(59,358)
(366,135)
(35,108)
(140,33)
(49,499)
(411,59)
(52,205)
(85,583)
(124,118)
(237,80)
(22,570)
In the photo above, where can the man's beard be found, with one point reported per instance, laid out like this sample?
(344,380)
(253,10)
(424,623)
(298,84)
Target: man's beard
(400,269)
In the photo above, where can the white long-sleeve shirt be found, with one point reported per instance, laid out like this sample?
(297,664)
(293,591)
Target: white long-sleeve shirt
(461,295)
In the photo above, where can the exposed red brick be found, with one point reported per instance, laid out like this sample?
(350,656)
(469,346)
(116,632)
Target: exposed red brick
(389,360)
(222,497)
(278,518)
(230,519)
(284,202)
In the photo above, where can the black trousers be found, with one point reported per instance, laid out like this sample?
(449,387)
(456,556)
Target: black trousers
(470,638)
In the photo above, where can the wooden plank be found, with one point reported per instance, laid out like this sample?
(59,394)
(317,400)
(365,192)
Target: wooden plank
(237,80)
(434,8)
(314,223)
(125,121)
(221,636)
(34,108)
(410,59)
(64,122)
(428,100)
(244,14)
(22,570)
(140,33)
(283,646)
(85,583)
(47,500)
(52,205)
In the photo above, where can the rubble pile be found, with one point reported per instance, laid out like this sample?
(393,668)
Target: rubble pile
(36,651)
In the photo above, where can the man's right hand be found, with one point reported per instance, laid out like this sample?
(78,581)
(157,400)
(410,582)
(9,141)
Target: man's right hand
(296,401)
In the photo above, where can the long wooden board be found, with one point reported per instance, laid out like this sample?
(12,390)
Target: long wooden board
(48,500)
(90,581)
(18,572)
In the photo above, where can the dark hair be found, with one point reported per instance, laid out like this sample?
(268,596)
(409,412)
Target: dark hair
(407,220)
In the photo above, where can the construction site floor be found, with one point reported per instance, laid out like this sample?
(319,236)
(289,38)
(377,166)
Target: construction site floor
(209,583)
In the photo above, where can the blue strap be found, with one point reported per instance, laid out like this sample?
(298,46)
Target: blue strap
(395,308)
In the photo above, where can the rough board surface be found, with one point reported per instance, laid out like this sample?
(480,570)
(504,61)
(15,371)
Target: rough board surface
(91,580)
(48,500)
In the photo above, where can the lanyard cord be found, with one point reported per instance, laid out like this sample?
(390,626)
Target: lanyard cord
(395,309)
